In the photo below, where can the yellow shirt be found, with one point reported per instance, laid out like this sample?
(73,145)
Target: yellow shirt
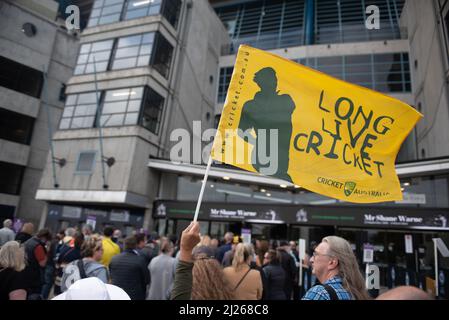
(110,249)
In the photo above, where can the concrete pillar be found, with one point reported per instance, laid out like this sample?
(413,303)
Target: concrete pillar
(44,214)
(148,221)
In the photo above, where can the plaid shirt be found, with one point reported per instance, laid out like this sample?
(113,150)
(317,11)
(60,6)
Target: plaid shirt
(318,292)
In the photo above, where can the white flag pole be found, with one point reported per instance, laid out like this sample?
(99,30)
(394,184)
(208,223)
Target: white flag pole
(435,252)
(200,198)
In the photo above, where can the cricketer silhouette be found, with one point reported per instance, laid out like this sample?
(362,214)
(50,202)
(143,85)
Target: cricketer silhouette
(269,110)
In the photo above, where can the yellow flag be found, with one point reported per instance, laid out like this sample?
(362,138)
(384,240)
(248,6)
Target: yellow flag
(294,123)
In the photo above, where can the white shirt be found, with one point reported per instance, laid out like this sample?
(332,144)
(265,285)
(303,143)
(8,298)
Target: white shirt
(6,235)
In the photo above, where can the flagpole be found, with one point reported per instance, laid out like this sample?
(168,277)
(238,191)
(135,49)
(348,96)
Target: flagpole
(200,198)
(435,253)
(50,131)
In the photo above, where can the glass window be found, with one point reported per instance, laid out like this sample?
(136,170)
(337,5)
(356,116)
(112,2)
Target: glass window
(344,21)
(105,11)
(389,72)
(20,78)
(223,83)
(15,127)
(142,8)
(98,51)
(392,72)
(170,10)
(86,162)
(152,111)
(264,24)
(79,111)
(162,55)
(133,51)
(121,107)
(11,176)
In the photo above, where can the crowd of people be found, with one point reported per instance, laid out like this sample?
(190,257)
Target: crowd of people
(38,265)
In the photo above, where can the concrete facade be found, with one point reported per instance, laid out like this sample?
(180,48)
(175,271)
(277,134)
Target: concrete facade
(54,51)
(189,95)
(429,68)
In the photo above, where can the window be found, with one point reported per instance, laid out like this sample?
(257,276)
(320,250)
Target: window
(392,72)
(100,51)
(161,59)
(86,162)
(105,11)
(15,127)
(443,9)
(389,72)
(11,176)
(142,8)
(62,95)
(130,52)
(79,111)
(152,111)
(7,212)
(133,51)
(110,11)
(20,78)
(264,24)
(223,84)
(359,70)
(121,107)
(170,10)
(344,21)
(273,24)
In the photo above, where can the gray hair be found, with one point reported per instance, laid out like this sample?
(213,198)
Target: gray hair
(88,227)
(228,236)
(348,268)
(12,256)
(7,223)
(70,232)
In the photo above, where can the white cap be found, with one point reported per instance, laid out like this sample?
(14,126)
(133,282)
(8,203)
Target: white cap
(93,289)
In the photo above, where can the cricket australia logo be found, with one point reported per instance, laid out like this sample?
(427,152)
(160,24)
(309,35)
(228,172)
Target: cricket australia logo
(349,188)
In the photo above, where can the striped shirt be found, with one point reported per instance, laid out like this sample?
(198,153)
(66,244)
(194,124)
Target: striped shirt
(318,292)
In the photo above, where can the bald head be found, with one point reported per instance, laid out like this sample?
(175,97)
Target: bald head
(228,237)
(7,223)
(405,293)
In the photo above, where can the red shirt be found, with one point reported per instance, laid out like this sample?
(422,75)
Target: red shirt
(39,253)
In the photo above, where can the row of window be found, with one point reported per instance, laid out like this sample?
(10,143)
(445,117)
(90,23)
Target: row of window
(264,24)
(269,24)
(110,11)
(387,72)
(20,78)
(122,107)
(344,20)
(15,127)
(127,52)
(11,176)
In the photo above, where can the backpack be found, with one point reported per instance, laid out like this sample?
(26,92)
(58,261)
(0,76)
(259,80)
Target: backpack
(72,272)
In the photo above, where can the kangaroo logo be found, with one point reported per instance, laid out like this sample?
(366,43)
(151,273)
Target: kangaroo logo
(349,188)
